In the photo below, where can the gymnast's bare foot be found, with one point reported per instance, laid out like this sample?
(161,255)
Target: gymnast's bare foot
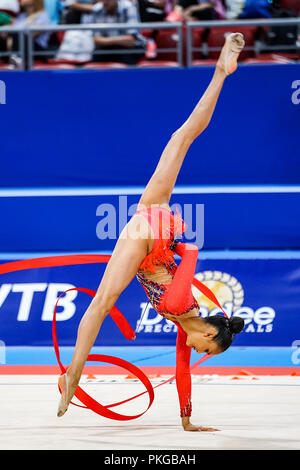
(191,428)
(233,46)
(188,426)
(67,387)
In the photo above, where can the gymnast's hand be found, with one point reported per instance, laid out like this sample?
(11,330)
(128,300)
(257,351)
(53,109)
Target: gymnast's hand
(188,426)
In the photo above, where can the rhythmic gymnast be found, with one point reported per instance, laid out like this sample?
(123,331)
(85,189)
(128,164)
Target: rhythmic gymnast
(146,249)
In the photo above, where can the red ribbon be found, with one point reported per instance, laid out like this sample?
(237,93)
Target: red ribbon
(120,320)
(82,396)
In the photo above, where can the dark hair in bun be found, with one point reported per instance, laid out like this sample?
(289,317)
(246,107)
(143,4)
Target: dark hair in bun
(227,328)
(236,324)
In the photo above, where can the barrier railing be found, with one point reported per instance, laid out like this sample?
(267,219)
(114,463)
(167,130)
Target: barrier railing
(29,51)
(106,27)
(258,46)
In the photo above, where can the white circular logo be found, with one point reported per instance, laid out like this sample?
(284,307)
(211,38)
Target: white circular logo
(225,287)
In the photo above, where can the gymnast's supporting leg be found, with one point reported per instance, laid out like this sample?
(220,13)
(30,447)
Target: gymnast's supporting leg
(129,253)
(122,267)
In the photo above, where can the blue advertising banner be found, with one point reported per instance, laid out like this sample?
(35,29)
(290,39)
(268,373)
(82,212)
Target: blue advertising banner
(228,218)
(87,128)
(265,292)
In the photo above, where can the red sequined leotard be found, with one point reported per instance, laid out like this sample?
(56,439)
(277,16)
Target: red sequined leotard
(173,298)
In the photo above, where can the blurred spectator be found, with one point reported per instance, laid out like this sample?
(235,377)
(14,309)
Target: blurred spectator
(283,35)
(8,11)
(32,13)
(10,7)
(234,8)
(5,19)
(196,10)
(253,9)
(54,9)
(155,10)
(73,10)
(110,12)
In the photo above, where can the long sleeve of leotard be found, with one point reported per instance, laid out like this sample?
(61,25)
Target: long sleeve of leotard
(179,297)
(183,374)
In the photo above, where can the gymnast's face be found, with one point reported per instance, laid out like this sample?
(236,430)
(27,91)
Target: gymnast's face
(203,341)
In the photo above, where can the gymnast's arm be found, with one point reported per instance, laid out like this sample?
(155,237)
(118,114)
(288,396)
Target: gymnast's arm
(179,297)
(183,378)
(184,382)
(181,284)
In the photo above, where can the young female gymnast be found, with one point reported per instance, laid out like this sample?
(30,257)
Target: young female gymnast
(146,249)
